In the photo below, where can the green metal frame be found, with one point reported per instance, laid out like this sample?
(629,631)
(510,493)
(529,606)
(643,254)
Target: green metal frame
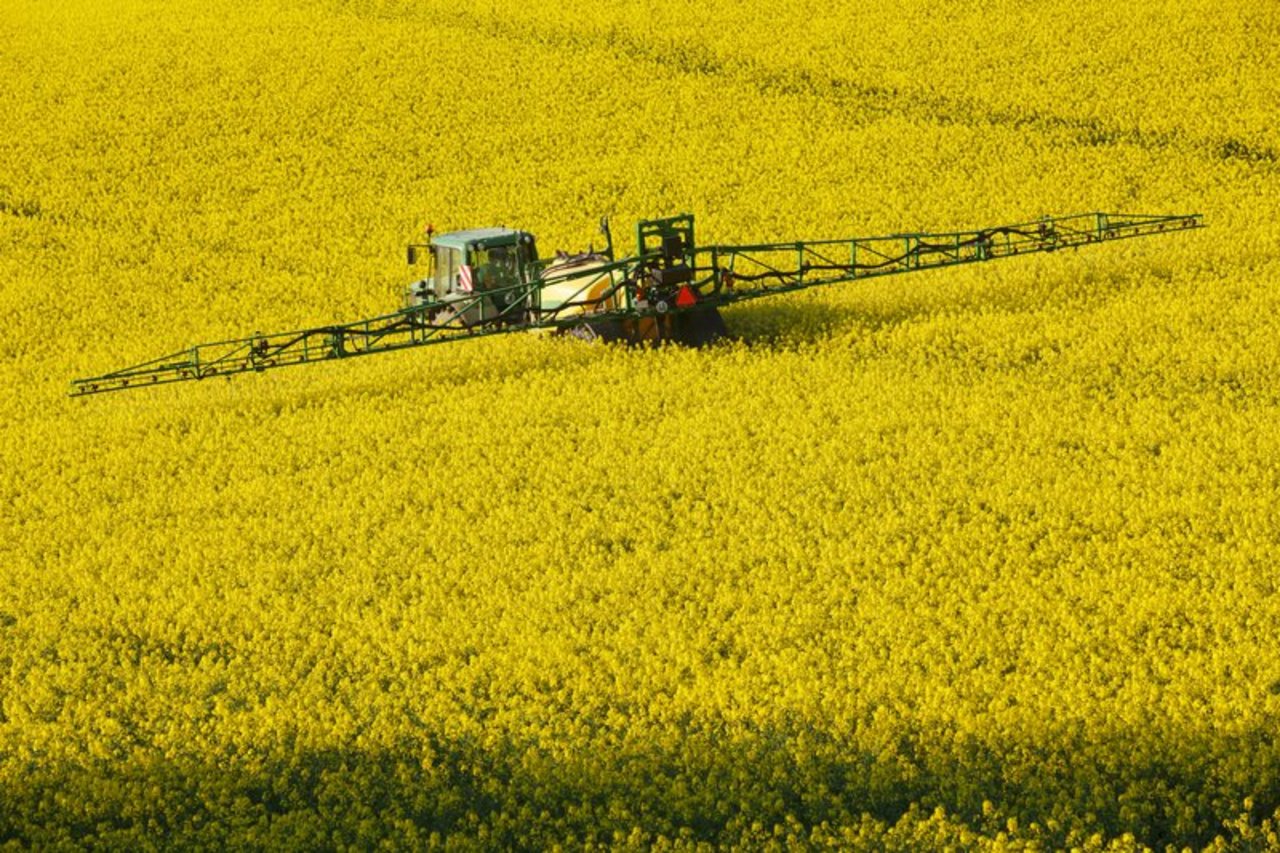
(651,232)
(717,275)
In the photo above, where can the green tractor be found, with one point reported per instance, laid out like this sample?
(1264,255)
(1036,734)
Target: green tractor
(485,275)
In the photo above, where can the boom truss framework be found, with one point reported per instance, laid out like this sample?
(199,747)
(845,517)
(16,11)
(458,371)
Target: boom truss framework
(712,277)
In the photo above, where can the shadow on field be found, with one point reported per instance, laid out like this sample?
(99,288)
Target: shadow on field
(706,786)
(774,321)
(870,306)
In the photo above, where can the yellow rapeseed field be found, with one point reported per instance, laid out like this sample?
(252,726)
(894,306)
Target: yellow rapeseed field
(978,558)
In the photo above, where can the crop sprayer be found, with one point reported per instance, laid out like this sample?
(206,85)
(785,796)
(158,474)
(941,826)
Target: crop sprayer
(491,281)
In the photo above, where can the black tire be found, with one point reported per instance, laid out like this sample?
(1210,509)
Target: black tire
(699,328)
(591,331)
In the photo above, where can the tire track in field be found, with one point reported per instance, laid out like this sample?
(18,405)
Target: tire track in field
(870,99)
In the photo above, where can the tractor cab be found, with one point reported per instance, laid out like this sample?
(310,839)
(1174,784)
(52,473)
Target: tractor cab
(479,260)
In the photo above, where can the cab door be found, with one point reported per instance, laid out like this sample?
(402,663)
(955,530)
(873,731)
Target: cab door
(448,266)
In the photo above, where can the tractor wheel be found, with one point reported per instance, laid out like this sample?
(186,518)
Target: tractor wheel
(595,330)
(699,328)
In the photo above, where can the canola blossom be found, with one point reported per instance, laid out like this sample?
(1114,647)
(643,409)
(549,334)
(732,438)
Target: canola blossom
(979,558)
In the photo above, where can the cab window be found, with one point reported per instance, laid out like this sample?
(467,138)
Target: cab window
(447,263)
(500,258)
